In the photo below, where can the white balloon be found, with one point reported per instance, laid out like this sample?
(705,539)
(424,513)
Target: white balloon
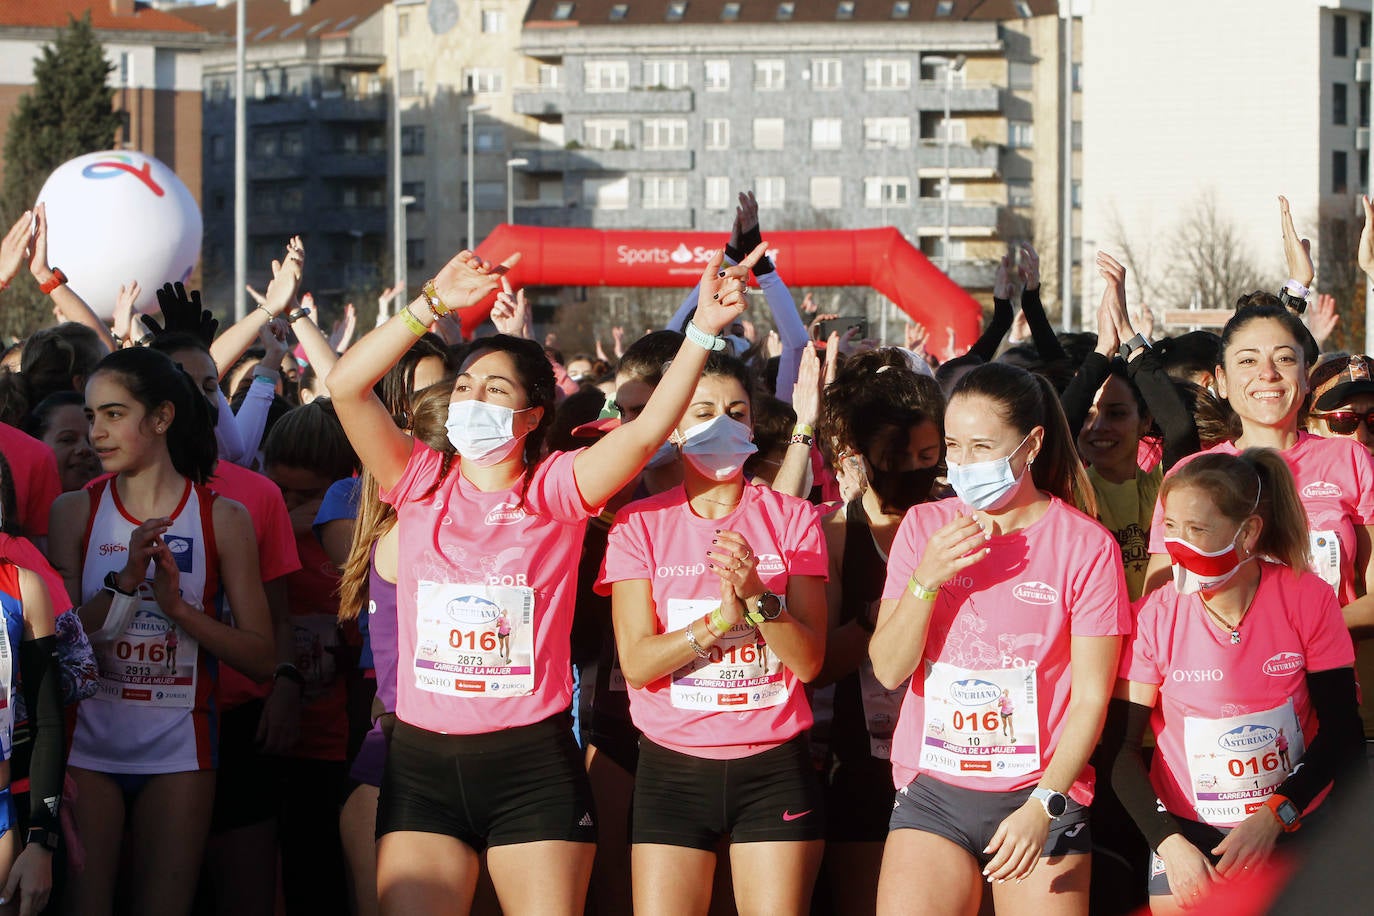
(119,216)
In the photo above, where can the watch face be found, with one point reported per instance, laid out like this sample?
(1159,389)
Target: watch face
(770,606)
(1289,812)
(1057,804)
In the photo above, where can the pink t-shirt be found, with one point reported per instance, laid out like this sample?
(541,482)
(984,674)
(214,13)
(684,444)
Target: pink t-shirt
(1335,480)
(744,700)
(1222,704)
(1003,623)
(466,556)
(34,472)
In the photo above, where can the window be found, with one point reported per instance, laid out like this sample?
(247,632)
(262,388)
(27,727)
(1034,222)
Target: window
(1019,193)
(887,192)
(786,10)
(825,133)
(219,148)
(1076,134)
(770,191)
(901,9)
(669,74)
(887,133)
(619,11)
(563,11)
(606,193)
(729,12)
(263,200)
(606,134)
(489,138)
(1023,9)
(485,79)
(1364,172)
(1020,135)
(717,76)
(550,76)
(944,7)
(1363,113)
(412,82)
(1076,193)
(413,140)
(1339,180)
(1364,31)
(826,73)
(265,143)
(415,252)
(607,76)
(292,143)
(768,133)
(769,75)
(415,189)
(845,9)
(663,193)
(219,202)
(717,133)
(491,195)
(826,193)
(718,193)
(1339,104)
(1020,75)
(1340,36)
(887,74)
(665,133)
(493,21)
(1077,74)
(403,24)
(676,10)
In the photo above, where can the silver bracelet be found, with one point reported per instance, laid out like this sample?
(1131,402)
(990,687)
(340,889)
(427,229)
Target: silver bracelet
(706,341)
(692,641)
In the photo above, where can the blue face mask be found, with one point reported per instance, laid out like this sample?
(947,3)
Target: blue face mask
(985,484)
(666,454)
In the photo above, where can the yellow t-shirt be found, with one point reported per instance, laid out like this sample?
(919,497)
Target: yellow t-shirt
(1125,509)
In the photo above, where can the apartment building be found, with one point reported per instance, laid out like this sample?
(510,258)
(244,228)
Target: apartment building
(1252,99)
(156,76)
(317,147)
(651,115)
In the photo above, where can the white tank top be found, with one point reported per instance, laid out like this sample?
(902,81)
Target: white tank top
(152,712)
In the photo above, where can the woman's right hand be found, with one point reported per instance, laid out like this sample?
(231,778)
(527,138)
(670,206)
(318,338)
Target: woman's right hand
(1190,871)
(144,543)
(467,279)
(957,545)
(722,296)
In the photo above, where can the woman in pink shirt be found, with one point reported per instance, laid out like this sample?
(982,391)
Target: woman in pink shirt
(482,757)
(1242,667)
(1006,586)
(718,597)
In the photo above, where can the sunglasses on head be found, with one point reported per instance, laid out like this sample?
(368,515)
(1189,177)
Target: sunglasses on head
(1345,422)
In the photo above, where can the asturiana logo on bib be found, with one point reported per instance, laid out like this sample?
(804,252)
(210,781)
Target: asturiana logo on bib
(506,514)
(472,610)
(770,563)
(1036,593)
(1245,738)
(974,692)
(1283,663)
(1321,488)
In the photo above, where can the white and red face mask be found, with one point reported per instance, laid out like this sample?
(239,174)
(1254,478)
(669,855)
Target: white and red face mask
(1197,570)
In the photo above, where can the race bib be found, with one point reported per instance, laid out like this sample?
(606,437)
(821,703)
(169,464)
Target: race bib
(980,723)
(474,640)
(741,672)
(151,661)
(1326,556)
(316,640)
(1235,763)
(881,707)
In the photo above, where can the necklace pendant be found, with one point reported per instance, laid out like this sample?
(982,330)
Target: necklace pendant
(1235,637)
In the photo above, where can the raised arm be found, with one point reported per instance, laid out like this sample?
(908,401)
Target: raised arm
(68,304)
(1002,314)
(1042,332)
(276,302)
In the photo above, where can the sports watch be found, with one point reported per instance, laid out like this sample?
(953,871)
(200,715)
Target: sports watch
(1294,296)
(112,585)
(767,608)
(1055,803)
(1289,817)
(48,839)
(1138,342)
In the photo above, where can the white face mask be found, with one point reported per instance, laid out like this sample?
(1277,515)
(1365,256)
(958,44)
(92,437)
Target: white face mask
(986,484)
(718,447)
(481,432)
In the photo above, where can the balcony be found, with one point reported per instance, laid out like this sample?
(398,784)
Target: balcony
(1362,139)
(555,159)
(930,96)
(367,220)
(965,161)
(349,165)
(300,109)
(972,274)
(1362,65)
(965,219)
(275,168)
(579,216)
(547,103)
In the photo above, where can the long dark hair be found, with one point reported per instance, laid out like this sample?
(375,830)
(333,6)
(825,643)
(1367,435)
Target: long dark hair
(1264,305)
(1025,401)
(153,380)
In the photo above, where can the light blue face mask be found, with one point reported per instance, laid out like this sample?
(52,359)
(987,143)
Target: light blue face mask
(985,484)
(666,454)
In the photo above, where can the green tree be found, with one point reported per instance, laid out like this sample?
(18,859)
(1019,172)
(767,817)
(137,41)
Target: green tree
(68,112)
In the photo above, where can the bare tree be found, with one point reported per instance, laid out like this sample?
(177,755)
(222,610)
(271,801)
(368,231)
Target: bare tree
(1212,259)
(1138,254)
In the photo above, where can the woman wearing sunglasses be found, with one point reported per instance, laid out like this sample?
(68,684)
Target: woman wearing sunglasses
(1343,400)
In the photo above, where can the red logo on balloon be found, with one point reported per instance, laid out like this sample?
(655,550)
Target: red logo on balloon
(110,168)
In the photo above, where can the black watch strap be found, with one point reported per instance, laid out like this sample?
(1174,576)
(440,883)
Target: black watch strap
(48,839)
(290,672)
(112,584)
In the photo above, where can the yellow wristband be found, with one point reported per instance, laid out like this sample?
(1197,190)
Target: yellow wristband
(715,623)
(920,591)
(415,325)
(803,429)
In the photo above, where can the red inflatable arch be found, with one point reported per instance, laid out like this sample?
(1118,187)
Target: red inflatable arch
(880,258)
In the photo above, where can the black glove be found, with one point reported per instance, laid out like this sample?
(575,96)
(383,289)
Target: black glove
(182,312)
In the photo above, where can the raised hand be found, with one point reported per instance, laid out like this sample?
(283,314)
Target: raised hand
(511,312)
(124,309)
(618,341)
(809,305)
(772,345)
(1029,267)
(750,332)
(38,259)
(467,279)
(958,544)
(723,294)
(1002,285)
(1297,252)
(1365,254)
(388,294)
(273,338)
(14,247)
(1323,318)
(916,335)
(806,393)
(183,311)
(1114,296)
(748,211)
(341,334)
(1145,321)
(286,279)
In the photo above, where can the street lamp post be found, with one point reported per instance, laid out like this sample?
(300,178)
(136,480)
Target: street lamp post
(402,256)
(511,166)
(472,222)
(951,66)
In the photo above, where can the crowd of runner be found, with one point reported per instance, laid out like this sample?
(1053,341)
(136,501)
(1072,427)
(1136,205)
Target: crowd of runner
(721,621)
